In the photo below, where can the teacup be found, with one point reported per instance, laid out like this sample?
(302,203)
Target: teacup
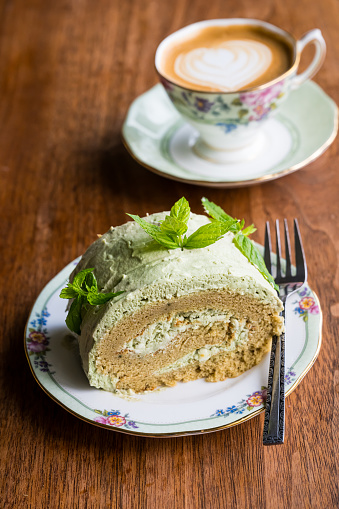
(227,84)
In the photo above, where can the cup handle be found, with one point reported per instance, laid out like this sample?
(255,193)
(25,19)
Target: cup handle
(315,37)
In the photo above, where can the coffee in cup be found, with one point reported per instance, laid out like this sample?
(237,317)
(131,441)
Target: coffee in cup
(226,58)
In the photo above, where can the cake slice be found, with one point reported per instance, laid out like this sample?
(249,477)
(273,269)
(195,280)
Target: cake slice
(184,314)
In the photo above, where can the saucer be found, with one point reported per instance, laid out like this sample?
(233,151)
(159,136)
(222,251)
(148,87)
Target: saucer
(160,140)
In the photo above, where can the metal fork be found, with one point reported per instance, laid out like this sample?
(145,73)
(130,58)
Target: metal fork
(274,424)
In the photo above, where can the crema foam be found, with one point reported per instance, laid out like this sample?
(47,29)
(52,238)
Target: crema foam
(226,58)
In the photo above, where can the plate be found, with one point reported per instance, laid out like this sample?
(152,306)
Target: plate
(158,138)
(188,408)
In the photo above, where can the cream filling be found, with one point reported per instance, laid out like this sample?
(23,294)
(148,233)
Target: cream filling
(208,351)
(158,335)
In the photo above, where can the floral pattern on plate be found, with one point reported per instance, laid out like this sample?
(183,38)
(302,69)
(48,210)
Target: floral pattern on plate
(250,402)
(306,304)
(113,418)
(38,341)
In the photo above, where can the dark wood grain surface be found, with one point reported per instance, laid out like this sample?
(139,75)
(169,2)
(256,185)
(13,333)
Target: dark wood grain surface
(68,72)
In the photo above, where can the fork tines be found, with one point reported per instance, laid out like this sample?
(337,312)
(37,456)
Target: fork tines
(299,254)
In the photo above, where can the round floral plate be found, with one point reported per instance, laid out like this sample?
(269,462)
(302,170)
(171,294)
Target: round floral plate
(158,138)
(188,408)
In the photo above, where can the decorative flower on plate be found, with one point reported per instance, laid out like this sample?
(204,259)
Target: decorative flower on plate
(307,303)
(255,400)
(231,409)
(102,420)
(299,310)
(42,365)
(37,341)
(113,418)
(37,336)
(314,310)
(289,377)
(132,424)
(116,420)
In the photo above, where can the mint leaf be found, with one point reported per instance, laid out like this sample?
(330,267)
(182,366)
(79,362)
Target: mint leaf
(240,240)
(215,211)
(181,210)
(229,223)
(82,282)
(173,226)
(241,224)
(83,289)
(204,236)
(248,249)
(96,299)
(149,228)
(78,283)
(250,229)
(73,320)
(156,233)
(68,292)
(166,241)
(91,282)
(80,277)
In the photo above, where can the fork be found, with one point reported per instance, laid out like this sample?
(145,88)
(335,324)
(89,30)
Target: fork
(274,423)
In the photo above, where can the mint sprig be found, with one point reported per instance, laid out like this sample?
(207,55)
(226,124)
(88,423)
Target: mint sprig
(204,236)
(84,291)
(240,240)
(170,233)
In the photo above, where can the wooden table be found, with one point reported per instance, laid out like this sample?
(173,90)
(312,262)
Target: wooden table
(68,73)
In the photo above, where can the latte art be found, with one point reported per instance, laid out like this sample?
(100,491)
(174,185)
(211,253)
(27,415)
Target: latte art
(231,65)
(225,58)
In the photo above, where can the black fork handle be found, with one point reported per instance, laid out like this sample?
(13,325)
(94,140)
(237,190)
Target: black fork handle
(274,424)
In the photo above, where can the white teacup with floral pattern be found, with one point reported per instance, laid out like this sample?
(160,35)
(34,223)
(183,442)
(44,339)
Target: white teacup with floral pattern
(229,123)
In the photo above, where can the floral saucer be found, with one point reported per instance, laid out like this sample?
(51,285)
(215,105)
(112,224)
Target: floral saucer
(158,138)
(186,409)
